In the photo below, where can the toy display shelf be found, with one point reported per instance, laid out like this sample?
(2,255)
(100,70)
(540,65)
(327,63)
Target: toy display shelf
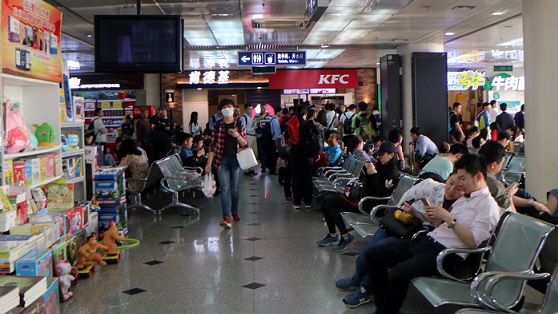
(72,153)
(45,182)
(77,180)
(72,124)
(39,151)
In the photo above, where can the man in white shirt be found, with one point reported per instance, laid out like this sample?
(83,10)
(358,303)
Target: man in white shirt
(391,267)
(99,127)
(494,112)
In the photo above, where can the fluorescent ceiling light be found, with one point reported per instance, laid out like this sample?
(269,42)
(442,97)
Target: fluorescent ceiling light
(449,33)
(325,46)
(514,42)
(315,64)
(259,87)
(377,63)
(497,13)
(329,54)
(349,36)
(221,14)
(312,53)
(201,41)
(322,26)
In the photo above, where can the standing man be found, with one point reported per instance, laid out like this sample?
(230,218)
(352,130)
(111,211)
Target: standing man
(392,266)
(346,123)
(493,113)
(519,119)
(267,131)
(142,130)
(504,120)
(425,149)
(99,127)
(363,121)
(483,120)
(248,122)
(161,135)
(455,130)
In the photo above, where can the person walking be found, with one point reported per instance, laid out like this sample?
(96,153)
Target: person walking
(504,120)
(229,136)
(248,122)
(268,131)
(142,130)
(161,135)
(483,120)
(195,129)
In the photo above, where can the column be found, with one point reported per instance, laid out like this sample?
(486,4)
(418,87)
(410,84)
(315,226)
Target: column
(152,86)
(541,66)
(407,82)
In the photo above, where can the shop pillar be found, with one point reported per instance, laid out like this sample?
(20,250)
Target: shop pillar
(406,51)
(152,85)
(541,67)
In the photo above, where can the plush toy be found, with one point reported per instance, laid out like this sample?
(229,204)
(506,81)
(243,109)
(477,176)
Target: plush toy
(88,252)
(110,237)
(45,133)
(33,142)
(63,269)
(17,138)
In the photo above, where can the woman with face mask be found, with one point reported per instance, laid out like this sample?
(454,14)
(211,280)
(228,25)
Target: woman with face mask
(229,136)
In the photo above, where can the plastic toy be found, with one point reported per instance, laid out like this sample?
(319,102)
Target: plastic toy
(17,138)
(110,237)
(63,269)
(88,253)
(33,142)
(45,133)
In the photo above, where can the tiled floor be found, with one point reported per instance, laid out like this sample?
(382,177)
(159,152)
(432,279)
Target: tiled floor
(268,263)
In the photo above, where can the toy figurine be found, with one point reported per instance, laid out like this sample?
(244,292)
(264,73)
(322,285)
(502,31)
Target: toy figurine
(45,133)
(16,134)
(63,269)
(110,237)
(88,252)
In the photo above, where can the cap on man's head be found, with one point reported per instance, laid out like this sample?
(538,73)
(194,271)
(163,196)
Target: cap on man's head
(387,147)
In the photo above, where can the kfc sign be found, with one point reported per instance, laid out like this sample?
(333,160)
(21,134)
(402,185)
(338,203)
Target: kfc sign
(305,79)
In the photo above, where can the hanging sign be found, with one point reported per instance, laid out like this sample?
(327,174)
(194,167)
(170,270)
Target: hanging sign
(256,58)
(31,39)
(302,79)
(465,79)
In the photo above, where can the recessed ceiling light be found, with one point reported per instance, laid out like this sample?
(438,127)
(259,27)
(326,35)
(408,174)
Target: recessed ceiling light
(377,63)
(449,33)
(89,35)
(325,46)
(221,14)
(199,88)
(259,87)
(497,13)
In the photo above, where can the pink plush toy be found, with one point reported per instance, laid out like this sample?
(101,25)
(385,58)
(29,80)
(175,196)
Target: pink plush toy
(63,269)
(17,135)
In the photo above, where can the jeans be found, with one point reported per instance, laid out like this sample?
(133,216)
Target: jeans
(229,179)
(360,277)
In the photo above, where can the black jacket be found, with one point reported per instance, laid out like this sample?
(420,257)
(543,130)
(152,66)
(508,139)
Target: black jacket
(383,182)
(505,121)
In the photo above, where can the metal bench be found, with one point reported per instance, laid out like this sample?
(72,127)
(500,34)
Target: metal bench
(176,179)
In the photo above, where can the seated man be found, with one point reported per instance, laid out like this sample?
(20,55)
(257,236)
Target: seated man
(442,164)
(438,194)
(380,180)
(504,139)
(333,150)
(493,154)
(425,149)
(391,267)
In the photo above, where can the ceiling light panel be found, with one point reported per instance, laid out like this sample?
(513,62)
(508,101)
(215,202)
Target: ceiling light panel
(315,64)
(318,38)
(227,31)
(329,53)
(312,53)
(349,37)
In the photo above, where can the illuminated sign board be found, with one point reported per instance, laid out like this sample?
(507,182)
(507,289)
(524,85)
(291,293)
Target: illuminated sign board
(465,79)
(509,83)
(209,77)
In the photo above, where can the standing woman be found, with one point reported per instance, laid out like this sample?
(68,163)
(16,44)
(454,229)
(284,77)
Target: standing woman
(229,136)
(195,129)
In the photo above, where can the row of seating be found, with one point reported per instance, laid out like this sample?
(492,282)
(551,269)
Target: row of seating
(334,179)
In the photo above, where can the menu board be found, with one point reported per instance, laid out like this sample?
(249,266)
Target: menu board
(31,39)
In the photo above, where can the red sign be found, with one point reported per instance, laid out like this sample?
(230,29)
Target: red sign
(301,79)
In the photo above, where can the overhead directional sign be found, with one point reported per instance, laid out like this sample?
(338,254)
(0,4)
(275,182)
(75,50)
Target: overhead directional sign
(253,58)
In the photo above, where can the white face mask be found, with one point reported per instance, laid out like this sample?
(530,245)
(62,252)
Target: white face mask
(227,112)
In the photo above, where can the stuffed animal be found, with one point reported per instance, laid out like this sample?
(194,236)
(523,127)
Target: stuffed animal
(45,133)
(63,269)
(17,138)
(88,252)
(110,237)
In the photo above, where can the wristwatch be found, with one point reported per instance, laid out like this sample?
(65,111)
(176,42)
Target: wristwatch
(451,224)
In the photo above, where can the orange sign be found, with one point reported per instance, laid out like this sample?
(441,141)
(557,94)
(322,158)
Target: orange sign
(31,39)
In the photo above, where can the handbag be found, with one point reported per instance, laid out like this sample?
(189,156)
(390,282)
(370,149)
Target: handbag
(399,223)
(208,185)
(354,191)
(246,159)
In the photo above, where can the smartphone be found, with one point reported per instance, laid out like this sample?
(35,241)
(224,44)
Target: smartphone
(511,186)
(425,202)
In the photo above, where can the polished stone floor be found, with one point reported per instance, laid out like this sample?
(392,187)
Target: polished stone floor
(267,263)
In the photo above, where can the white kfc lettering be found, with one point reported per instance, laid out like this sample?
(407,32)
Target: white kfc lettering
(324,79)
(332,78)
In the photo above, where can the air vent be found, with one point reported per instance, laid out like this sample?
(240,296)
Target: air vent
(470,7)
(295,22)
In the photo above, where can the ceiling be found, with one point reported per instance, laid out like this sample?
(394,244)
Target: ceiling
(349,33)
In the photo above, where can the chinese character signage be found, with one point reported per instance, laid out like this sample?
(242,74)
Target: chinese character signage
(509,83)
(465,79)
(250,58)
(31,39)
(209,77)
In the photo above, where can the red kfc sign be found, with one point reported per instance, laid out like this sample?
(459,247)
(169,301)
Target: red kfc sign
(303,79)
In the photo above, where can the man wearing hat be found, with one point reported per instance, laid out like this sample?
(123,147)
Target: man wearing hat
(380,181)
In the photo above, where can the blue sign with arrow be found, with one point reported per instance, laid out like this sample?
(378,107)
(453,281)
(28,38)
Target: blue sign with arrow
(252,58)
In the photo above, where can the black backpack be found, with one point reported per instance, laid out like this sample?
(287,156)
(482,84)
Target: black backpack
(266,130)
(348,124)
(312,144)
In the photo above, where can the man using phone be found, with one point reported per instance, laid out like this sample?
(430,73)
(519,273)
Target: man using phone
(391,267)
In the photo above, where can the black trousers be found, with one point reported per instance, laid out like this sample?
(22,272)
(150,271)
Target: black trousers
(287,180)
(301,171)
(333,205)
(392,266)
(267,154)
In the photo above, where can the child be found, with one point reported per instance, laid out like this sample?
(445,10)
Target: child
(185,141)
(333,150)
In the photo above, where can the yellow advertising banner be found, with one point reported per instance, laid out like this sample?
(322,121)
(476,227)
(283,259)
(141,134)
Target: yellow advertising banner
(31,39)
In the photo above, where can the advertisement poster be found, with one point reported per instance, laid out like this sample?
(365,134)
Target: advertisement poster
(31,39)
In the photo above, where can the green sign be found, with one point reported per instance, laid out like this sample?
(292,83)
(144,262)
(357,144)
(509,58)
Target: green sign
(503,68)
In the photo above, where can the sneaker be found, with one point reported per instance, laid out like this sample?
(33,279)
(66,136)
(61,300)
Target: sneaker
(236,218)
(288,199)
(343,243)
(328,240)
(296,207)
(308,206)
(357,298)
(346,284)
(226,223)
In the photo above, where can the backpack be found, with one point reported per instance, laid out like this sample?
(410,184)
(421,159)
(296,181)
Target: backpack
(348,124)
(364,125)
(354,191)
(266,130)
(312,143)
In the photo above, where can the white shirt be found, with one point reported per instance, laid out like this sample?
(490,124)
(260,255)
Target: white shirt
(331,120)
(100,130)
(429,189)
(479,213)
(492,114)
(195,129)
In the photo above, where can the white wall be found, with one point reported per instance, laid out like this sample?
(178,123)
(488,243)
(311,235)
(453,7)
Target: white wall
(194,100)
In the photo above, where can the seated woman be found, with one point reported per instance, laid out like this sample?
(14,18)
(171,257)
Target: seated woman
(135,159)
(380,180)
(333,150)
(436,193)
(355,146)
